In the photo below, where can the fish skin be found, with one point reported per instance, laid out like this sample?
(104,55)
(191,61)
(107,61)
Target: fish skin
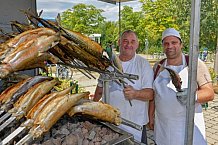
(29,35)
(33,113)
(52,112)
(22,90)
(75,51)
(33,95)
(85,43)
(21,39)
(98,110)
(176,80)
(23,57)
(116,61)
(9,92)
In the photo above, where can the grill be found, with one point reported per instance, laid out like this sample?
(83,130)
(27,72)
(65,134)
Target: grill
(78,130)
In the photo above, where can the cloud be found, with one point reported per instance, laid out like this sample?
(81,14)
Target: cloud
(52,7)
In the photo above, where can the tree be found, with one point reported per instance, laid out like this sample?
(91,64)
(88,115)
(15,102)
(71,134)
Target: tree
(83,18)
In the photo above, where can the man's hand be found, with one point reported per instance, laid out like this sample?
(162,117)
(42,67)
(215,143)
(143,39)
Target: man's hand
(151,124)
(182,96)
(129,92)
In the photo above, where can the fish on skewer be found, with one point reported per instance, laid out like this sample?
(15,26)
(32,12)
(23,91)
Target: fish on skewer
(74,51)
(28,100)
(21,59)
(33,95)
(21,39)
(98,110)
(8,98)
(34,112)
(51,113)
(81,40)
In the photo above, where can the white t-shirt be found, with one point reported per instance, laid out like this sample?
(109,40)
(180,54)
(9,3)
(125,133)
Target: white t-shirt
(138,112)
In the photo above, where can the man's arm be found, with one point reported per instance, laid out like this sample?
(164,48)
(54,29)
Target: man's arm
(143,94)
(205,93)
(98,93)
(151,111)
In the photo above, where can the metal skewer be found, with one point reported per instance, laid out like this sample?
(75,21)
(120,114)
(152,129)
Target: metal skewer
(4,117)
(1,112)
(25,139)
(12,135)
(7,122)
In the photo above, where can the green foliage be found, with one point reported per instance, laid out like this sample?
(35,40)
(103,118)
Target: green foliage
(213,74)
(83,18)
(149,23)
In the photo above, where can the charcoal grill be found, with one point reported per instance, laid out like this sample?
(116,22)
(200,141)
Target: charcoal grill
(123,139)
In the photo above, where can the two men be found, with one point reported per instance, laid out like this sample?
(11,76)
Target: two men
(139,92)
(169,112)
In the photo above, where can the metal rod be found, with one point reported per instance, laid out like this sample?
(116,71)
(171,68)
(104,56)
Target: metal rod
(4,117)
(131,124)
(1,112)
(112,74)
(193,59)
(7,122)
(12,135)
(25,139)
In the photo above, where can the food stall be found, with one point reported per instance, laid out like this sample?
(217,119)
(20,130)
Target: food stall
(123,137)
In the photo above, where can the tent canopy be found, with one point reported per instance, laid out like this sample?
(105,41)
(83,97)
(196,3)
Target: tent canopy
(115,1)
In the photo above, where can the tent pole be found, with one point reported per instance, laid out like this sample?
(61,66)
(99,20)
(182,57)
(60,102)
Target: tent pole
(193,57)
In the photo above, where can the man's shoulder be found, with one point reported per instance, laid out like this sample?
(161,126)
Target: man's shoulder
(140,57)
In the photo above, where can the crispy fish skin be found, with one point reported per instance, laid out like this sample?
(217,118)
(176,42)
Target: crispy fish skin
(176,80)
(86,43)
(29,35)
(98,110)
(77,52)
(11,45)
(37,108)
(28,83)
(28,100)
(33,113)
(23,57)
(51,113)
(40,45)
(8,93)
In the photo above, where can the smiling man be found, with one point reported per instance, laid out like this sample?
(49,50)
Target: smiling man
(138,92)
(170,110)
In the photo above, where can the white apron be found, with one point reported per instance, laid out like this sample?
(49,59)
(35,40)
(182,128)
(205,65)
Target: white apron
(170,115)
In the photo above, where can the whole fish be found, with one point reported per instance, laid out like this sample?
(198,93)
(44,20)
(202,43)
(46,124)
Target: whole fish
(9,92)
(21,39)
(91,61)
(176,80)
(33,95)
(98,110)
(33,113)
(52,112)
(21,90)
(25,56)
(85,43)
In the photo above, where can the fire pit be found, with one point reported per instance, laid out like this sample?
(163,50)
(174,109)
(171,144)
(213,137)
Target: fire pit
(81,130)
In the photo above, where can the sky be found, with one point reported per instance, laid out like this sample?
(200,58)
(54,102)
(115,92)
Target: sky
(52,7)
